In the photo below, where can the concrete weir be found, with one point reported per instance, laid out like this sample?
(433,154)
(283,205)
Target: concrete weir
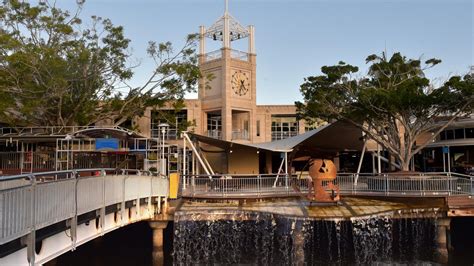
(297,231)
(348,208)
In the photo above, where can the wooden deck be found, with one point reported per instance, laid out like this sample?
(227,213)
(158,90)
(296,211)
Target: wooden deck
(460,206)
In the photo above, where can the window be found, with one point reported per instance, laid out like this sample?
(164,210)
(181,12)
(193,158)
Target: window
(459,133)
(470,133)
(258,128)
(449,134)
(175,120)
(442,135)
(284,126)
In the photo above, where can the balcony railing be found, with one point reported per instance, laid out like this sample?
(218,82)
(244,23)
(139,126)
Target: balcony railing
(216,134)
(277,135)
(234,54)
(240,135)
(213,55)
(170,134)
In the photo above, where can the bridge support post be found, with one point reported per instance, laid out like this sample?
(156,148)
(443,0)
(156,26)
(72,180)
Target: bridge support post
(158,255)
(443,239)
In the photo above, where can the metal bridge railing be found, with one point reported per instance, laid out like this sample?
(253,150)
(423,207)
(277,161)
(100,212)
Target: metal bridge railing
(416,185)
(33,201)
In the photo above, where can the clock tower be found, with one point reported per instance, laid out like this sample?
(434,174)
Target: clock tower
(228,91)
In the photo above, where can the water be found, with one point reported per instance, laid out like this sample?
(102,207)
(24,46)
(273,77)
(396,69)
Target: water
(273,240)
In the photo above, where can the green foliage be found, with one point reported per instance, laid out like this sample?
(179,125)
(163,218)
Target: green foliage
(56,71)
(393,104)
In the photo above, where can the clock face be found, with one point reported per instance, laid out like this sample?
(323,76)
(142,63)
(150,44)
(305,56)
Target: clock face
(240,83)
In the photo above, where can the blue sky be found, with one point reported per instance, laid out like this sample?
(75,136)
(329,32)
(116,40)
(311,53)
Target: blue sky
(294,38)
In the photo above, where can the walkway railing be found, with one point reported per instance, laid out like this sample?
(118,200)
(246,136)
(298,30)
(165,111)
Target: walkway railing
(416,185)
(33,201)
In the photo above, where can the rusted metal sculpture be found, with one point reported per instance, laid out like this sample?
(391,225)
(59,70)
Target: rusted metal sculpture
(322,188)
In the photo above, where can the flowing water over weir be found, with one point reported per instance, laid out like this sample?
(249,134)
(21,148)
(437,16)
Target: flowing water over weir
(267,239)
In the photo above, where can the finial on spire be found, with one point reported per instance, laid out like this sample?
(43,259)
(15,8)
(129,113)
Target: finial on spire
(226,6)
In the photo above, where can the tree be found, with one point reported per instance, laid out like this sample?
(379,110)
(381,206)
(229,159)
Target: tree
(55,71)
(394,104)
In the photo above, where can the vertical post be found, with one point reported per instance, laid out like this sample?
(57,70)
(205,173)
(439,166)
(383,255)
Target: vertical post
(31,238)
(449,160)
(202,40)
(373,163)
(444,162)
(74,218)
(251,44)
(379,162)
(286,170)
(158,255)
(184,164)
(102,209)
(443,239)
(226,33)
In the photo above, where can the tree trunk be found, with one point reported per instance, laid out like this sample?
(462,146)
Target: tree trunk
(405,165)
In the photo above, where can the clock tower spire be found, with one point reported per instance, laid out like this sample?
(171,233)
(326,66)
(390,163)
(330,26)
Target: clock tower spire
(228,100)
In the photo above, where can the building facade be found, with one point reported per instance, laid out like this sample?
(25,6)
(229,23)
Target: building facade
(226,107)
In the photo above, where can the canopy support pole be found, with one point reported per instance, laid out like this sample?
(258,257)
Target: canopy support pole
(197,155)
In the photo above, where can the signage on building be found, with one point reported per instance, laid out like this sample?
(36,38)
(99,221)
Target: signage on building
(445,149)
(106,144)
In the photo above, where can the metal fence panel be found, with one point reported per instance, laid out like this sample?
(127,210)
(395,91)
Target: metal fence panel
(160,186)
(90,194)
(54,202)
(15,213)
(113,189)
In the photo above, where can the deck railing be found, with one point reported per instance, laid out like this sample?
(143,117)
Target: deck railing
(417,185)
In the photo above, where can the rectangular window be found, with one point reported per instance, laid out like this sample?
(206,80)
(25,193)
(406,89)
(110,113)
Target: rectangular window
(258,128)
(284,126)
(469,133)
(177,121)
(442,135)
(459,133)
(449,134)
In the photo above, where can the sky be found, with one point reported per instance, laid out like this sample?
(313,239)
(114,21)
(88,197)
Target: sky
(295,38)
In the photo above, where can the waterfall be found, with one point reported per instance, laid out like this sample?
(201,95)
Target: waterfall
(268,239)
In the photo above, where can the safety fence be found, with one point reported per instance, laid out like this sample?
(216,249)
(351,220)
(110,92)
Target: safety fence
(13,163)
(33,201)
(416,185)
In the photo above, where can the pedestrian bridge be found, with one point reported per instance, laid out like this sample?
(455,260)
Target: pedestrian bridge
(43,215)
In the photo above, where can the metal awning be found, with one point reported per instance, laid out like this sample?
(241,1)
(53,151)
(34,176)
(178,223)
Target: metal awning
(451,143)
(114,132)
(338,136)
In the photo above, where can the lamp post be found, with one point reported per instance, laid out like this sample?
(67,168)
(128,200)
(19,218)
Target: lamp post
(163,127)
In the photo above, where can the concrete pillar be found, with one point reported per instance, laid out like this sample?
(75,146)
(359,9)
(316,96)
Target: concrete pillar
(202,41)
(268,162)
(251,45)
(298,245)
(443,239)
(158,255)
